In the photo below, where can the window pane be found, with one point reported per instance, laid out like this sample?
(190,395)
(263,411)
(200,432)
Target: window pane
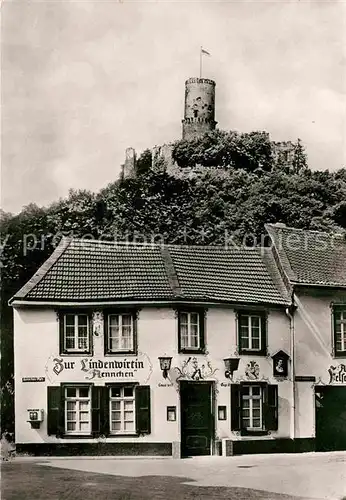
(244,321)
(194,318)
(69,343)
(128,426)
(246,390)
(113,320)
(128,392)
(69,320)
(116,392)
(83,343)
(71,405)
(127,320)
(246,422)
(71,415)
(115,405)
(255,332)
(183,318)
(84,426)
(116,426)
(255,321)
(82,320)
(244,343)
(114,344)
(116,416)
(128,416)
(256,390)
(255,343)
(84,392)
(71,426)
(256,422)
(84,416)
(71,392)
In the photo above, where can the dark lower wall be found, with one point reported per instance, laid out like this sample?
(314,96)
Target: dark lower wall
(100,449)
(270,446)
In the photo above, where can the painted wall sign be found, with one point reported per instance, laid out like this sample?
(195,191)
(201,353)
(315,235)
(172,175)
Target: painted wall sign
(337,374)
(252,370)
(122,368)
(195,369)
(33,379)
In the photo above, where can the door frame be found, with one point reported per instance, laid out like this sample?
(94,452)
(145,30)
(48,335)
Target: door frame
(212,385)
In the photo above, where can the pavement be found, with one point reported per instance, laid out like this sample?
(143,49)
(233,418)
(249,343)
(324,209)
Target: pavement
(315,476)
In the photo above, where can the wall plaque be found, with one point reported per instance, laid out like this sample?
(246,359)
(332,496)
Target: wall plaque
(33,379)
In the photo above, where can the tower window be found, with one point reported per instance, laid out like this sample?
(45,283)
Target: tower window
(195,113)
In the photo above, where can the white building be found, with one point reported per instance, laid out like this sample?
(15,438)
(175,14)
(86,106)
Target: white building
(147,349)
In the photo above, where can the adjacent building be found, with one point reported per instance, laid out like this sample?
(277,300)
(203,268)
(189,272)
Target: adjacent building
(180,350)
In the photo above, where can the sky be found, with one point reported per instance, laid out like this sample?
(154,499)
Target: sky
(83,80)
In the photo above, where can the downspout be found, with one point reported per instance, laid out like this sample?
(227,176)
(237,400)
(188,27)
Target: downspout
(290,313)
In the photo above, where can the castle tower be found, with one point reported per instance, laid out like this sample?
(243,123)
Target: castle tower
(199,113)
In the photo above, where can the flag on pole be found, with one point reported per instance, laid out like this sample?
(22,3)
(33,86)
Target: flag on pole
(203,51)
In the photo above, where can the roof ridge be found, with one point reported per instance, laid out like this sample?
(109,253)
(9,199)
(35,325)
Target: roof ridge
(282,257)
(162,245)
(171,272)
(284,228)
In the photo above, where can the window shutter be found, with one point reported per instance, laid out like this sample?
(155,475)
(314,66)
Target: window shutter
(55,414)
(61,332)
(270,404)
(202,322)
(264,334)
(179,332)
(235,407)
(104,410)
(96,409)
(143,424)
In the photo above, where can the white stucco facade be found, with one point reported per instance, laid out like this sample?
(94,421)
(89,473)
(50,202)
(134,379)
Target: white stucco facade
(36,346)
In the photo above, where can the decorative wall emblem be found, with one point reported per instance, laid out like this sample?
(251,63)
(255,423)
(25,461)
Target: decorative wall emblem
(252,370)
(97,323)
(195,369)
(337,374)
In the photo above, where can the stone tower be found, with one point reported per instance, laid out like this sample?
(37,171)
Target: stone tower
(199,113)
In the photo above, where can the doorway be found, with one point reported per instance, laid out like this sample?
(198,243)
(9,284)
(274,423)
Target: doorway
(197,419)
(330,418)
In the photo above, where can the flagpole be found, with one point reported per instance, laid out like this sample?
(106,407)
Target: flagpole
(200,62)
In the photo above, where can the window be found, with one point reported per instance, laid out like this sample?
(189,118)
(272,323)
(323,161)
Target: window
(120,332)
(339,313)
(74,333)
(98,410)
(252,407)
(77,410)
(191,331)
(252,333)
(122,409)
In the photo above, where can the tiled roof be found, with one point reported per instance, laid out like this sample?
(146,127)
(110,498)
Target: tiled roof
(310,257)
(217,273)
(81,270)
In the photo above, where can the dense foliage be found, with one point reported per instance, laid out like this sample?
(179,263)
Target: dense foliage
(202,209)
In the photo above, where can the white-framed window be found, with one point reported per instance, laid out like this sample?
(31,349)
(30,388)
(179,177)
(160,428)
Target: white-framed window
(122,409)
(340,329)
(190,330)
(252,410)
(76,332)
(121,332)
(77,410)
(251,332)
